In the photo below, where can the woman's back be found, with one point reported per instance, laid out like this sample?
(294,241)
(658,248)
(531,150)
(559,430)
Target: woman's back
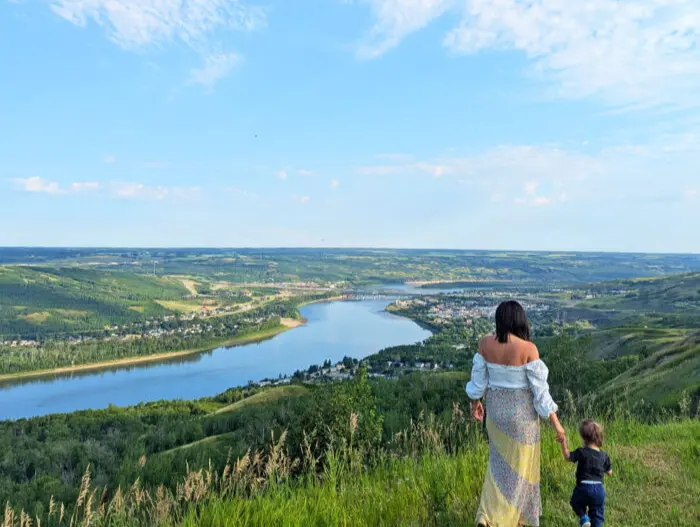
(515,352)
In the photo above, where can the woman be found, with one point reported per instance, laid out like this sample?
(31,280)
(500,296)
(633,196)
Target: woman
(508,372)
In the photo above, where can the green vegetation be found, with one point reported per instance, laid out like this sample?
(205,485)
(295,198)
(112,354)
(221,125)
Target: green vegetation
(656,470)
(670,376)
(209,266)
(359,432)
(371,450)
(47,301)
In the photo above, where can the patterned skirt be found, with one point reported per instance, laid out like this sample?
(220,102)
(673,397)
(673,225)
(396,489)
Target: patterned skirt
(511,494)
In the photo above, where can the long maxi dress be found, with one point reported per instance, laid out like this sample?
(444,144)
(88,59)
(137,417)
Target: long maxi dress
(514,397)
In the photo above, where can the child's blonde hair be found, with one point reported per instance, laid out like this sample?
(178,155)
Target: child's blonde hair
(592,433)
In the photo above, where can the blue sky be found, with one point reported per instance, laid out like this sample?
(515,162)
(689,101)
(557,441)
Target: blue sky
(509,124)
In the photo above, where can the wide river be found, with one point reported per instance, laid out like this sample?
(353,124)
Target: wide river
(334,330)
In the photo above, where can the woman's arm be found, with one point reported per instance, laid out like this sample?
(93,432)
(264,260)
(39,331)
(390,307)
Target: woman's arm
(561,433)
(565,450)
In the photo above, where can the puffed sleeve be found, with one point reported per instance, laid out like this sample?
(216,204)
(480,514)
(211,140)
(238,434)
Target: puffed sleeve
(537,373)
(480,378)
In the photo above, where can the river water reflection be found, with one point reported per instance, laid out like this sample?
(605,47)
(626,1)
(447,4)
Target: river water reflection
(334,330)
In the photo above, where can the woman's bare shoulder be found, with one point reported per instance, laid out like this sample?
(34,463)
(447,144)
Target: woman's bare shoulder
(486,343)
(533,353)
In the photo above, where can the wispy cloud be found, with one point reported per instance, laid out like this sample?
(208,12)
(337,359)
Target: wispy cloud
(335,183)
(215,68)
(636,53)
(129,190)
(531,187)
(549,175)
(302,200)
(110,160)
(395,19)
(282,174)
(138,23)
(41,185)
(304,172)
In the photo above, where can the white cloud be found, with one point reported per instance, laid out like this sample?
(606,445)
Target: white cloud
(636,53)
(303,200)
(110,160)
(85,186)
(215,68)
(395,19)
(433,169)
(282,174)
(128,190)
(40,185)
(303,172)
(691,194)
(335,183)
(523,165)
(137,23)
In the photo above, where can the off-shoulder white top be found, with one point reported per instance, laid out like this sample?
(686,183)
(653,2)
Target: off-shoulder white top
(532,375)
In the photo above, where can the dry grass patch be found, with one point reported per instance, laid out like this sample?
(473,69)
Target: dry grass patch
(37,318)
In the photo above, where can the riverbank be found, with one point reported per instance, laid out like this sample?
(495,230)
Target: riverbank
(321,300)
(285,325)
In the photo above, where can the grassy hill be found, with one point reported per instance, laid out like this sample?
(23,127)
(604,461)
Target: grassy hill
(668,294)
(47,300)
(663,377)
(655,484)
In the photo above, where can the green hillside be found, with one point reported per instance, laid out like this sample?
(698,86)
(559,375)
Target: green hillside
(36,301)
(668,294)
(665,376)
(655,484)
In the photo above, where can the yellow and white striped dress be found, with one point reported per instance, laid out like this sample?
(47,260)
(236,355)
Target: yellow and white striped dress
(514,396)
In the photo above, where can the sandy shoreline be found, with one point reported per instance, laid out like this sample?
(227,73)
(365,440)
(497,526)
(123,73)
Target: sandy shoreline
(285,325)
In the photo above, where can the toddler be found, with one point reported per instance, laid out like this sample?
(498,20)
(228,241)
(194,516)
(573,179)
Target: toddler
(588,499)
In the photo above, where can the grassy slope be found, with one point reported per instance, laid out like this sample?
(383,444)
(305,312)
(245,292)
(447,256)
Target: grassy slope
(656,484)
(663,376)
(267,396)
(264,397)
(63,299)
(668,294)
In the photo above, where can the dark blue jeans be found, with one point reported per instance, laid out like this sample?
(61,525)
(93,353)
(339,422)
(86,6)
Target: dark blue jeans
(589,499)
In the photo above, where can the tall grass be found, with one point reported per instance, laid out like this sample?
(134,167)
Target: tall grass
(429,474)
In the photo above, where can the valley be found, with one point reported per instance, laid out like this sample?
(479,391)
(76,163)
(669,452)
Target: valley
(356,359)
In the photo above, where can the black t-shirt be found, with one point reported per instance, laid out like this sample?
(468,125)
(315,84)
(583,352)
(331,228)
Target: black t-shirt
(592,464)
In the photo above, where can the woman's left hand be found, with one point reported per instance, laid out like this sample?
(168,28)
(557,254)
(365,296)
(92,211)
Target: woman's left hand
(477,410)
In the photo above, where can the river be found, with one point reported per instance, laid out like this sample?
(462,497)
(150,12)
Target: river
(334,330)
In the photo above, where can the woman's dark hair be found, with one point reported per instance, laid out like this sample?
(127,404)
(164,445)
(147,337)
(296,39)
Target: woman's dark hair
(591,433)
(511,319)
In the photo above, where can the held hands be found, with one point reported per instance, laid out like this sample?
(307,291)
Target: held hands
(561,435)
(477,410)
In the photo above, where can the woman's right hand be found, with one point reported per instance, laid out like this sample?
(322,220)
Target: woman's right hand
(477,410)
